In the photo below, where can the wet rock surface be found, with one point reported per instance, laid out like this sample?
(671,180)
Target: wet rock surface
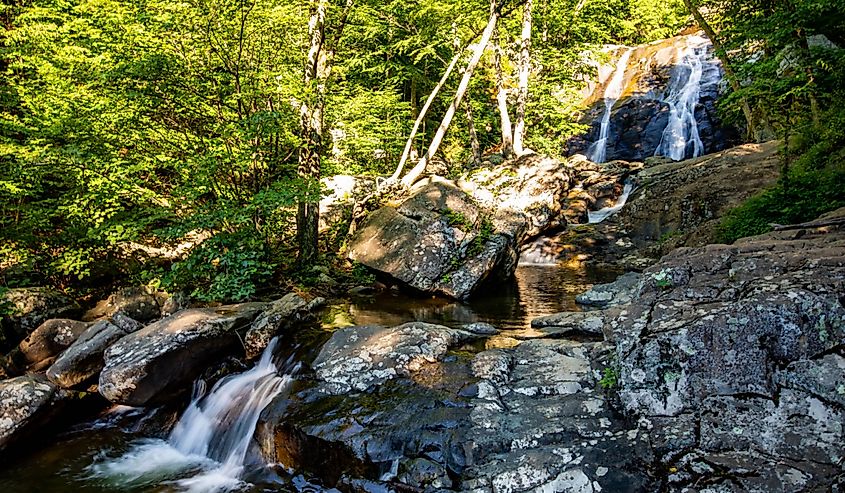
(398,408)
(166,356)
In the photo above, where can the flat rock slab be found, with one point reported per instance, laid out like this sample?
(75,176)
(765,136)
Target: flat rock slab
(356,358)
(148,365)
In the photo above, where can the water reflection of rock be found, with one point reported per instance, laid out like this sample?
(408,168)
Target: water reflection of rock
(533,291)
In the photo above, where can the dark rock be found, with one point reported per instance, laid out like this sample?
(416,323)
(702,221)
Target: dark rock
(570,323)
(135,302)
(281,315)
(30,308)
(50,338)
(151,364)
(171,304)
(83,360)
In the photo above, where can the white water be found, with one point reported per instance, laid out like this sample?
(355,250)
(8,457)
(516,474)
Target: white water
(694,70)
(206,451)
(602,214)
(598,150)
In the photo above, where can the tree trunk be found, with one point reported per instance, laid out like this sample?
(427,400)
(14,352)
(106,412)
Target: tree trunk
(524,72)
(502,101)
(318,67)
(473,136)
(752,133)
(418,170)
(421,117)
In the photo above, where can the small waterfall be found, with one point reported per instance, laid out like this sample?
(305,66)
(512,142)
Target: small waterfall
(602,214)
(694,69)
(598,150)
(207,449)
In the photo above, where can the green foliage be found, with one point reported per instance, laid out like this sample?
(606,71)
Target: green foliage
(610,378)
(456,219)
(812,185)
(361,274)
(226,267)
(485,231)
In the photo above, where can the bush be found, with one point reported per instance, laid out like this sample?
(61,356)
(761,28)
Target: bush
(226,267)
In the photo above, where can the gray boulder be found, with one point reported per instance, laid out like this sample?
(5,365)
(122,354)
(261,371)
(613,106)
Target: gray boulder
(25,402)
(619,292)
(83,360)
(149,365)
(30,307)
(570,324)
(437,241)
(281,315)
(135,302)
(743,343)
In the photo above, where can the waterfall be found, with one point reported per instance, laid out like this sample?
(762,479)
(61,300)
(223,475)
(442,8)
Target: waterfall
(602,214)
(680,137)
(597,151)
(207,449)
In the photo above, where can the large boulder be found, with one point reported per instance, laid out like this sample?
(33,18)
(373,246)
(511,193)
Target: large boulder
(280,316)
(46,342)
(531,189)
(399,407)
(83,360)
(437,241)
(743,344)
(151,364)
(25,403)
(136,302)
(28,308)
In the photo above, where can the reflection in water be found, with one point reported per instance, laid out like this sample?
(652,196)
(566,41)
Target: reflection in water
(534,291)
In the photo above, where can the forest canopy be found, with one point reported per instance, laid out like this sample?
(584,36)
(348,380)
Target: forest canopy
(127,126)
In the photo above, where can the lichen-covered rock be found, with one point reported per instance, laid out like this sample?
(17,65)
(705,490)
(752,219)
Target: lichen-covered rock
(743,343)
(619,292)
(23,403)
(49,339)
(135,302)
(30,307)
(570,323)
(83,360)
(149,365)
(436,241)
(283,314)
(357,358)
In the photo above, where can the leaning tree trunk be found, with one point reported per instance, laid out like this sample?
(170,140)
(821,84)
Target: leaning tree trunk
(524,72)
(726,64)
(502,101)
(418,170)
(421,117)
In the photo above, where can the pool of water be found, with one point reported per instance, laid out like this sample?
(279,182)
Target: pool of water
(73,460)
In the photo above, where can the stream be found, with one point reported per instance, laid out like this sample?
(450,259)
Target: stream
(208,448)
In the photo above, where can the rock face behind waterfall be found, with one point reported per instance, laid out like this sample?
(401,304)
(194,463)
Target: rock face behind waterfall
(451,237)
(640,116)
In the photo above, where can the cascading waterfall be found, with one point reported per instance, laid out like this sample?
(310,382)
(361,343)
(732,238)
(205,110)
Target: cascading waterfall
(693,71)
(602,214)
(598,149)
(207,449)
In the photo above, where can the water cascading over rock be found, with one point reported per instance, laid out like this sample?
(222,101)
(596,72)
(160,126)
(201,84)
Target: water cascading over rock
(207,449)
(657,99)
